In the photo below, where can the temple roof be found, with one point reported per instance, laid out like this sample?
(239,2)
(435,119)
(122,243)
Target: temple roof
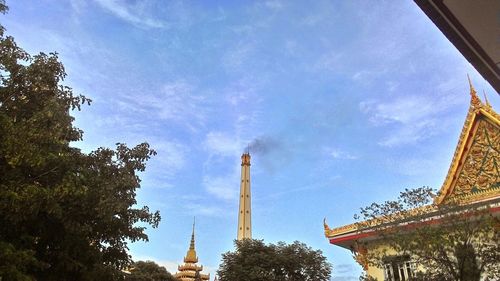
(474,173)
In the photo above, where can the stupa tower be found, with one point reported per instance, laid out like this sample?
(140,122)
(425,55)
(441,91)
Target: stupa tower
(190,271)
(245,211)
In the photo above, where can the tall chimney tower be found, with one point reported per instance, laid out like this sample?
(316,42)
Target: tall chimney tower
(245,211)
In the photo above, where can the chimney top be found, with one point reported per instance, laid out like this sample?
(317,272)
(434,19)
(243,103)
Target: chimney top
(245,159)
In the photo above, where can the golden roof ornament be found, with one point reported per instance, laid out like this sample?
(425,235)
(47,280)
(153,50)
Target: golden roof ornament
(474,99)
(486,99)
(325,225)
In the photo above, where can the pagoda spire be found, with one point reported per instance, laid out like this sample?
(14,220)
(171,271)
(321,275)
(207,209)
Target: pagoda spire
(191,245)
(245,209)
(191,253)
(190,270)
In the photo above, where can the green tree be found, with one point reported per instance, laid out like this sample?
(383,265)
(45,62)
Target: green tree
(255,261)
(64,214)
(148,271)
(449,241)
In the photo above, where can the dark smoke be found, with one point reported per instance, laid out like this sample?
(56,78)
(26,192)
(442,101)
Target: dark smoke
(271,153)
(263,146)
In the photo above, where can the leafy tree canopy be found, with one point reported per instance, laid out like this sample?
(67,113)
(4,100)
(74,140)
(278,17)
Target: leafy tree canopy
(449,241)
(148,271)
(65,214)
(255,261)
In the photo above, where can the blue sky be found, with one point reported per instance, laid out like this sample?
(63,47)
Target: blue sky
(350,101)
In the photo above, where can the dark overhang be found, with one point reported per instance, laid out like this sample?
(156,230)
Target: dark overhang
(474,28)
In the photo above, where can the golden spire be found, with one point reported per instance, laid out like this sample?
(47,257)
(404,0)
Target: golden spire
(190,271)
(474,99)
(191,246)
(191,253)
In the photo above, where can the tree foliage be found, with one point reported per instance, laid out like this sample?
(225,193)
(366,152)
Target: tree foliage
(449,241)
(255,261)
(64,214)
(148,271)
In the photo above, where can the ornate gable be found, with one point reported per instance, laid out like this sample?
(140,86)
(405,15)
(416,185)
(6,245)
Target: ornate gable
(474,173)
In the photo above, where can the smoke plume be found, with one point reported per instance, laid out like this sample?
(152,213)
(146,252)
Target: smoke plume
(271,153)
(263,146)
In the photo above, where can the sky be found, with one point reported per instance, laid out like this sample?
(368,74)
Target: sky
(343,103)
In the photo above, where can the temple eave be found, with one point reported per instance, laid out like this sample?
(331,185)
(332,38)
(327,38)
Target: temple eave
(190,267)
(190,275)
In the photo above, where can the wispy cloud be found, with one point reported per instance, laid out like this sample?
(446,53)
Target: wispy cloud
(409,119)
(288,190)
(225,187)
(337,153)
(179,102)
(171,156)
(78,5)
(331,61)
(221,147)
(176,101)
(136,14)
(236,57)
(274,4)
(223,144)
(207,211)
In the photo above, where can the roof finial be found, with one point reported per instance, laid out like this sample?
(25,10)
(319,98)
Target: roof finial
(191,246)
(486,99)
(473,94)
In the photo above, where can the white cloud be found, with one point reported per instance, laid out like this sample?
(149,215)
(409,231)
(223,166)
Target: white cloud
(78,5)
(340,154)
(223,187)
(222,148)
(236,57)
(404,110)
(207,211)
(175,101)
(331,61)
(409,119)
(171,155)
(286,192)
(135,14)
(223,144)
(274,4)
(178,100)
(166,165)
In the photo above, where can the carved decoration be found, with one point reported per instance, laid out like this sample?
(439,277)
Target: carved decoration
(481,168)
(478,112)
